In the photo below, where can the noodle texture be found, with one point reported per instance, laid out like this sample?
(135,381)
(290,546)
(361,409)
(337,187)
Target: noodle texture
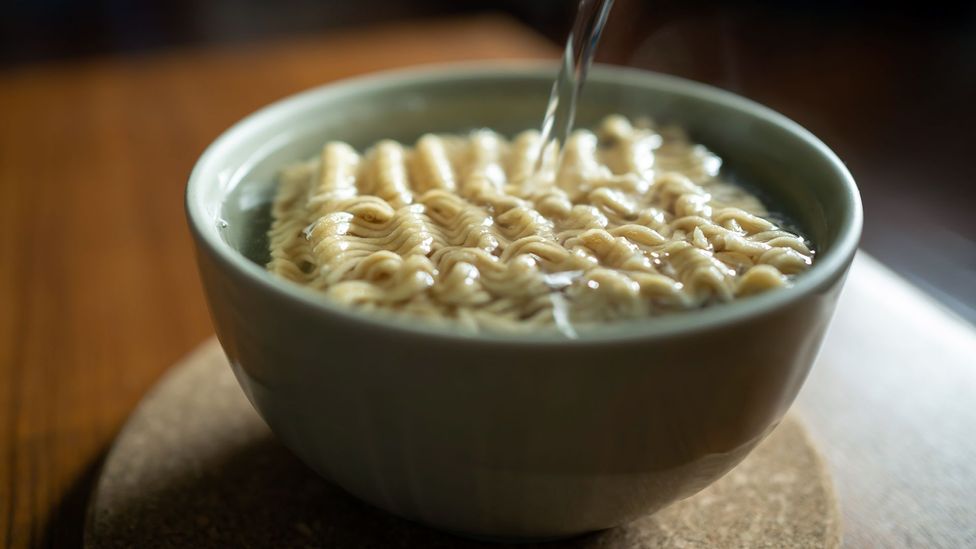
(478,231)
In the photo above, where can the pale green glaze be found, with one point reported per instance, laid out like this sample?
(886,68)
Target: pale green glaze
(524,436)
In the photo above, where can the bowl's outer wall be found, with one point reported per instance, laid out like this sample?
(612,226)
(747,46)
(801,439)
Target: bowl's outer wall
(515,439)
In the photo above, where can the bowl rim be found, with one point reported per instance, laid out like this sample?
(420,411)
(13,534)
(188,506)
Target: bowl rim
(829,266)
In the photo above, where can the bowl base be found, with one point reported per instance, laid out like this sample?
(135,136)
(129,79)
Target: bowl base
(221,479)
(503,540)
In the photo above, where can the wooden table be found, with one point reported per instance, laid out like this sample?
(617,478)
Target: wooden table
(99,291)
(98,285)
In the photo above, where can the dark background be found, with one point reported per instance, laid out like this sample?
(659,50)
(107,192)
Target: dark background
(892,89)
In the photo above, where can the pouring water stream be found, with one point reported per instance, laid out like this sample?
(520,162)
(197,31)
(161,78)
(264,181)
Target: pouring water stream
(591,17)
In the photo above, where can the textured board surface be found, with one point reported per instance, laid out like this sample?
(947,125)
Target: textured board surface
(196,467)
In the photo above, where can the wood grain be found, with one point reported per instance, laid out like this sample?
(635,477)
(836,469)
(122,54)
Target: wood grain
(99,292)
(98,286)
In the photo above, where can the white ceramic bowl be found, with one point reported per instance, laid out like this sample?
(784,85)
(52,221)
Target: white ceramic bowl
(528,436)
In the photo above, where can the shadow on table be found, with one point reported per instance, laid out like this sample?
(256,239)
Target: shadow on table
(66,525)
(262,496)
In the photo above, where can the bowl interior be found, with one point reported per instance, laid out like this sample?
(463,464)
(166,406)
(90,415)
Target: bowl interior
(232,186)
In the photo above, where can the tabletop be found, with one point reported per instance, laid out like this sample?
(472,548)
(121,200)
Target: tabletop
(99,291)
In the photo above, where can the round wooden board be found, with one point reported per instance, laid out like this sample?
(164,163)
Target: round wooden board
(196,467)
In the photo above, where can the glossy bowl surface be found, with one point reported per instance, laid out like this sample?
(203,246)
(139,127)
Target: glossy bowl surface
(531,435)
